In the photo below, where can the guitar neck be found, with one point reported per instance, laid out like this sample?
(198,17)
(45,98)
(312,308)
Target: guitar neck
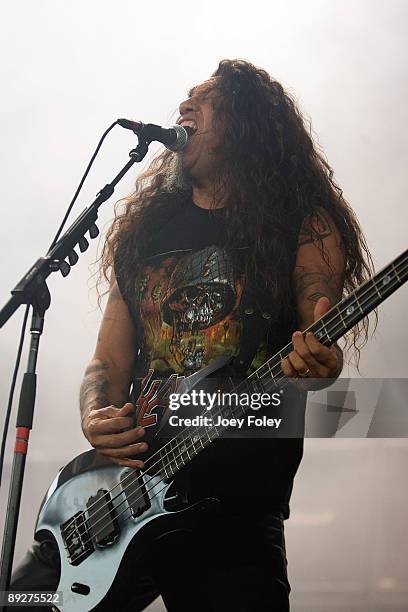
(328,329)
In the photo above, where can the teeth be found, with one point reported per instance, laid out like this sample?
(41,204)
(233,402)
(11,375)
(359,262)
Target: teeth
(189,124)
(190,131)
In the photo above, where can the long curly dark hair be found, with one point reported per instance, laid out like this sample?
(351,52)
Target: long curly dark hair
(274,175)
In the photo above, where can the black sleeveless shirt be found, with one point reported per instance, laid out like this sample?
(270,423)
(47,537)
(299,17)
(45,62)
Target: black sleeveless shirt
(190,306)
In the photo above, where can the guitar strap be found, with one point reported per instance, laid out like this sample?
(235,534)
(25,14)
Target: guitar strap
(257,318)
(264,321)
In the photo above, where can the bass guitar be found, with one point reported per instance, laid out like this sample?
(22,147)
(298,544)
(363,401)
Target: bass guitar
(98,511)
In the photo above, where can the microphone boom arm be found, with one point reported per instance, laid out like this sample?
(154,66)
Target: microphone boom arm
(31,289)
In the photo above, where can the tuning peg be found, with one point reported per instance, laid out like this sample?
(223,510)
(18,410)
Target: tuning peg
(65,268)
(83,244)
(93,231)
(73,258)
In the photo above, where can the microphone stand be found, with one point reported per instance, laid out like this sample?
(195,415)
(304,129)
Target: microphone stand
(32,289)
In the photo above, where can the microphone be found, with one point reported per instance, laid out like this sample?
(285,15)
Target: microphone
(174,138)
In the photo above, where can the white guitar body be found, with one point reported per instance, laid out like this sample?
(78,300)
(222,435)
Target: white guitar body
(89,570)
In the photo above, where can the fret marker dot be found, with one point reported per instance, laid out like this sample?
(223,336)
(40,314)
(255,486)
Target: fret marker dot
(350,310)
(386,280)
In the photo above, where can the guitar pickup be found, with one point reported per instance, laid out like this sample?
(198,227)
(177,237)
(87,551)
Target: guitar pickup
(135,493)
(101,519)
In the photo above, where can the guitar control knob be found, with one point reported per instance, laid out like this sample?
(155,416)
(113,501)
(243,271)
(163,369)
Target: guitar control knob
(81,589)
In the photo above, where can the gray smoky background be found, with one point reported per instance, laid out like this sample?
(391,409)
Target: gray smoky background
(68,71)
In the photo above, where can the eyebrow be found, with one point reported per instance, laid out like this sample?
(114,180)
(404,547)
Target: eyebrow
(205,90)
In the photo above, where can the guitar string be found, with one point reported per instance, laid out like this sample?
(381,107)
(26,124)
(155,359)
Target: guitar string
(182,441)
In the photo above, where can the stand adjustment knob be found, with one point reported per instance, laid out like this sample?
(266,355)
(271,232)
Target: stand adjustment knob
(83,244)
(93,231)
(73,258)
(65,268)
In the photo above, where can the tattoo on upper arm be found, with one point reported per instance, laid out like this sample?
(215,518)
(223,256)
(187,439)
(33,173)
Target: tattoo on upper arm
(314,285)
(314,228)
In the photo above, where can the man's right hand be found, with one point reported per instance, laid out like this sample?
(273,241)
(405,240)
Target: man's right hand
(104,427)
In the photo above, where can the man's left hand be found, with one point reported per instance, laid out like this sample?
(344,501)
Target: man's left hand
(310,358)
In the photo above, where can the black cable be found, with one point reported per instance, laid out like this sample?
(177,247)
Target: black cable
(11,395)
(23,327)
(81,184)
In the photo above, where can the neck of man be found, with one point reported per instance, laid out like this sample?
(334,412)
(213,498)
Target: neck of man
(208,195)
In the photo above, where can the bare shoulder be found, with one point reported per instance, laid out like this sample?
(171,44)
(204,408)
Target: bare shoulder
(318,226)
(320,243)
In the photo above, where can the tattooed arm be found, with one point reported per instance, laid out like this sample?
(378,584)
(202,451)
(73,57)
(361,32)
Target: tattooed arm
(318,285)
(105,387)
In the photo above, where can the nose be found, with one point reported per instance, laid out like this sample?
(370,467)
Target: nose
(186,106)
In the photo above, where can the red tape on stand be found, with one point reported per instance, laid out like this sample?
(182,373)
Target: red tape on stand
(22,436)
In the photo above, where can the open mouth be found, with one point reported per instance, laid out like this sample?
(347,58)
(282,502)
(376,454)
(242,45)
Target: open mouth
(190,130)
(190,126)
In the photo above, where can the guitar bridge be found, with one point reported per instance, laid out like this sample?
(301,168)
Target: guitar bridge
(77,541)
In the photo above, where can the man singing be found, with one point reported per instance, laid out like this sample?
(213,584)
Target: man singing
(231,247)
